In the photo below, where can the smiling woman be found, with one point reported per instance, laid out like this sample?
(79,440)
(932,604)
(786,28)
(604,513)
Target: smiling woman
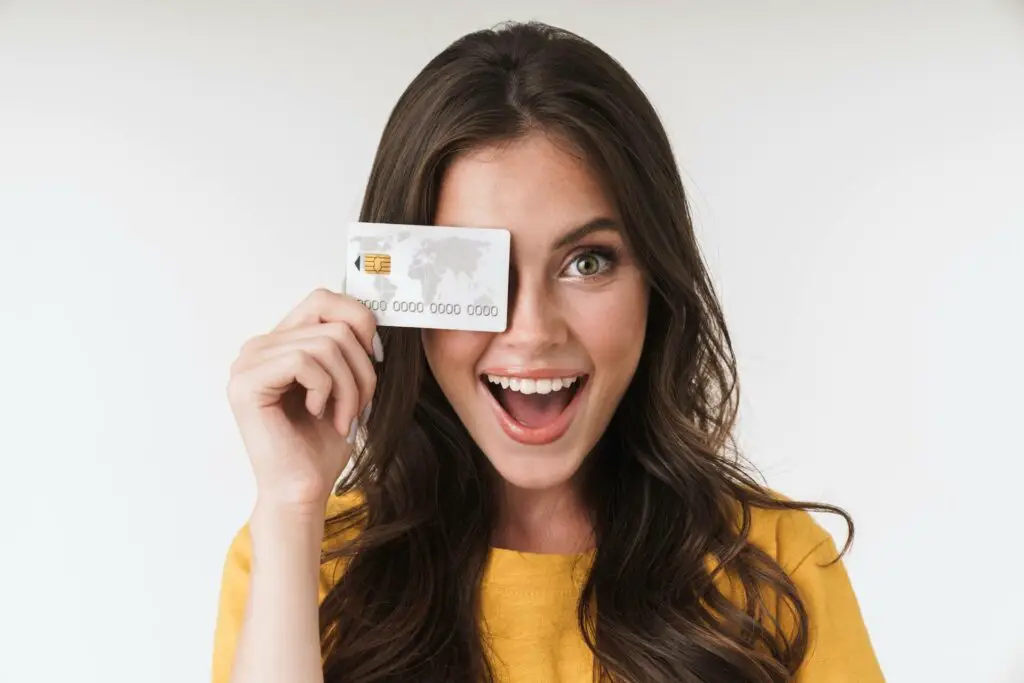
(572,273)
(557,502)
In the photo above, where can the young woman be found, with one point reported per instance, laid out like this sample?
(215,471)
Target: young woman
(558,502)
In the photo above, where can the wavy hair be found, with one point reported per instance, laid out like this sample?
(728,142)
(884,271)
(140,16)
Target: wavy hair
(665,486)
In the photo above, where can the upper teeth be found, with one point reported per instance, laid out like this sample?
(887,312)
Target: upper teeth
(526,385)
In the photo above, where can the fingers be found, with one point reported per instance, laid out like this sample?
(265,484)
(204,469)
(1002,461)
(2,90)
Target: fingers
(341,395)
(322,306)
(316,339)
(264,383)
(325,345)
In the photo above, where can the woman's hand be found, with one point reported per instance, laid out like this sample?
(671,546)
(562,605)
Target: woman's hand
(300,392)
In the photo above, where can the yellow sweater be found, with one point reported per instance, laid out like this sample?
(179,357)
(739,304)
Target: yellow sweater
(529,607)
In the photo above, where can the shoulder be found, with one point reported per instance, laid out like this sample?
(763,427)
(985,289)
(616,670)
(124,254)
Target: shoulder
(339,503)
(789,536)
(839,647)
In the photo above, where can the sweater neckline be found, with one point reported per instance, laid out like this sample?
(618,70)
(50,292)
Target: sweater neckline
(537,572)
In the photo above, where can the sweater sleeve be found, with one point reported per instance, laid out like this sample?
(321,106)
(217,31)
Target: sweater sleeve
(839,650)
(234,593)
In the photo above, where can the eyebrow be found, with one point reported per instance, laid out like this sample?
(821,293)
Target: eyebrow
(577,234)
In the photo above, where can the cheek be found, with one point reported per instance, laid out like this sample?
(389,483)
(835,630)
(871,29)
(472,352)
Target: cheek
(453,355)
(611,327)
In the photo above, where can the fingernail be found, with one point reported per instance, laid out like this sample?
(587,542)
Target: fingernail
(378,348)
(323,409)
(364,418)
(352,430)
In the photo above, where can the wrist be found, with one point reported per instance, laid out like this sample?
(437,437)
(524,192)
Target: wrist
(286,507)
(288,519)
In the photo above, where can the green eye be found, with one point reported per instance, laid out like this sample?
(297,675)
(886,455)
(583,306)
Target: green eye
(588,264)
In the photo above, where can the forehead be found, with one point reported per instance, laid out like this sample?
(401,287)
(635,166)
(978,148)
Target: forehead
(537,187)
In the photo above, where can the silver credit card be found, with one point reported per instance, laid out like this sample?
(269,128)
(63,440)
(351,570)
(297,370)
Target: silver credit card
(430,276)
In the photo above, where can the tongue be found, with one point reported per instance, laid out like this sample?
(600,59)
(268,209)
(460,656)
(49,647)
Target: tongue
(534,410)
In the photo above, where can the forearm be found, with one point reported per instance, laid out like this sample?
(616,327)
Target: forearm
(280,636)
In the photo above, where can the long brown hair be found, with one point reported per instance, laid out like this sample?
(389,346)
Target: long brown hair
(665,485)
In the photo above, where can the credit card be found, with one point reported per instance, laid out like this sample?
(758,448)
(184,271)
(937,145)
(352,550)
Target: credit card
(429,275)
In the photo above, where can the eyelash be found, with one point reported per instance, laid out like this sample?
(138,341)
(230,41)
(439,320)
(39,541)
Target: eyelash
(606,254)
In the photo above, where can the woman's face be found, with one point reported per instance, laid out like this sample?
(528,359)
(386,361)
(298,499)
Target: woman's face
(537,397)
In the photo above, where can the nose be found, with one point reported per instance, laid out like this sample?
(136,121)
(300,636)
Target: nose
(535,319)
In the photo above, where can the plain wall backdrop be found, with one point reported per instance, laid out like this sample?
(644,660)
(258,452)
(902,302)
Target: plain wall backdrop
(175,176)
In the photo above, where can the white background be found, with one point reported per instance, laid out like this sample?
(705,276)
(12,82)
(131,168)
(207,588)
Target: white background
(175,176)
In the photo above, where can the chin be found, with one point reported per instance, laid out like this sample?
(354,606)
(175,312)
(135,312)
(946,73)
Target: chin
(535,472)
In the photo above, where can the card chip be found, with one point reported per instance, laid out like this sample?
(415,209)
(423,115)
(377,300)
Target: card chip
(377,264)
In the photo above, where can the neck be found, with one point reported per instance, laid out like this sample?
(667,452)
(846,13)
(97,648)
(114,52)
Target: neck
(547,521)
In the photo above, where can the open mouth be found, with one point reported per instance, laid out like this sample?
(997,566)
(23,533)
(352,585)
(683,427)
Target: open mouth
(535,410)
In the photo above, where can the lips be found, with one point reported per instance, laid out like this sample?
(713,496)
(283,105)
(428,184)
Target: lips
(535,410)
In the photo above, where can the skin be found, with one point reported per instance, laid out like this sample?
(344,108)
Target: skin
(570,308)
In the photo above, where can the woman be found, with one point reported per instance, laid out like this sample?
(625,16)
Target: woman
(557,502)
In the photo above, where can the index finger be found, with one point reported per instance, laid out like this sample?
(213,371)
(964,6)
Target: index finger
(322,306)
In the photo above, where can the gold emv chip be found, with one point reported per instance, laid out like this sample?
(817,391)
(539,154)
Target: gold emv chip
(374,264)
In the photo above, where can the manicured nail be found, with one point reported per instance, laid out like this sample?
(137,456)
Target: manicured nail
(364,418)
(378,348)
(352,430)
